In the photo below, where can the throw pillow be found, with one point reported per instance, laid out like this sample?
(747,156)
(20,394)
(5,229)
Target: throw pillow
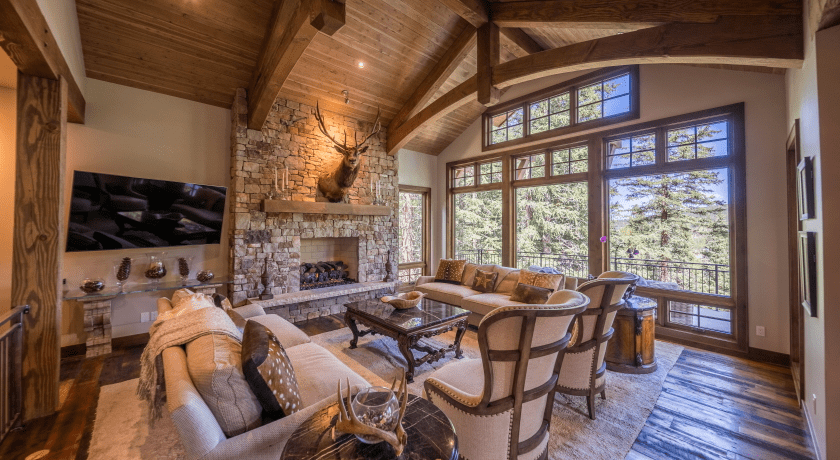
(544,280)
(450,271)
(184,300)
(530,294)
(221,302)
(269,372)
(484,281)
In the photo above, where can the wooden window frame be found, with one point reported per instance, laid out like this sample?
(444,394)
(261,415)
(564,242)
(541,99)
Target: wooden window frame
(570,86)
(427,237)
(597,178)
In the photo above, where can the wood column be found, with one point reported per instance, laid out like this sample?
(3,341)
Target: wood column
(38,240)
(487,57)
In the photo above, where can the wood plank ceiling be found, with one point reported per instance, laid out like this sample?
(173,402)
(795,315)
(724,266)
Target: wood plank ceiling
(203,50)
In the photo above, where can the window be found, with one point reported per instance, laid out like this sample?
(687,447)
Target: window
(529,166)
(632,151)
(490,173)
(699,141)
(569,160)
(463,176)
(506,126)
(413,233)
(478,226)
(596,99)
(700,316)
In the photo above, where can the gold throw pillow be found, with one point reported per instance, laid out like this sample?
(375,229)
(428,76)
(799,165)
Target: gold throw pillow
(450,271)
(543,280)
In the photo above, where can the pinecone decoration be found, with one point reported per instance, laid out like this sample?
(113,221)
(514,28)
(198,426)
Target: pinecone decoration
(125,269)
(183,267)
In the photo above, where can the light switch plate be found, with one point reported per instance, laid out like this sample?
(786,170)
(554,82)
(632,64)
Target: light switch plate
(759,331)
(153,315)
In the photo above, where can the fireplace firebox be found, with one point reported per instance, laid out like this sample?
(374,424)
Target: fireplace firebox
(324,274)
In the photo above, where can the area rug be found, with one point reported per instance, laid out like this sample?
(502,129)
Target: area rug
(630,398)
(122,429)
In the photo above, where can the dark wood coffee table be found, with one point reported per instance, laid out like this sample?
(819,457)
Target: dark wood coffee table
(407,327)
(430,436)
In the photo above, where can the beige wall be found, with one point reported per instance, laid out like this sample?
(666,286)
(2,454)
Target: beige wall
(142,134)
(64,24)
(670,90)
(7,193)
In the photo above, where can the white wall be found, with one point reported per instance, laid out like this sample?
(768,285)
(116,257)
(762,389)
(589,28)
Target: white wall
(64,24)
(138,133)
(419,169)
(7,192)
(671,90)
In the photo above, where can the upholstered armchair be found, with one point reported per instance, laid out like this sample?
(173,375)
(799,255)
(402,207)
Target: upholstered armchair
(583,372)
(501,404)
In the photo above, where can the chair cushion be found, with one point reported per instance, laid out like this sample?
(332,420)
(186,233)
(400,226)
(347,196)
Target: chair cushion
(287,333)
(469,273)
(485,303)
(530,294)
(543,280)
(484,281)
(269,372)
(318,372)
(449,293)
(450,271)
(463,380)
(214,362)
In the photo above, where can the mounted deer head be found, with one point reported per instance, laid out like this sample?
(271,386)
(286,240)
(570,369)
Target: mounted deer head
(335,184)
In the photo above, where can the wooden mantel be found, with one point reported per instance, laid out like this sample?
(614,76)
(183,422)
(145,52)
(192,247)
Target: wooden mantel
(318,207)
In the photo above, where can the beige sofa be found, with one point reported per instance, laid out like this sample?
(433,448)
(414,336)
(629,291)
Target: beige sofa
(317,372)
(480,304)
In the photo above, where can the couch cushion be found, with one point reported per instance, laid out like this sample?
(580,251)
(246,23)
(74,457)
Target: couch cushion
(485,281)
(449,293)
(214,363)
(450,271)
(269,372)
(469,273)
(485,303)
(318,372)
(543,280)
(507,280)
(288,334)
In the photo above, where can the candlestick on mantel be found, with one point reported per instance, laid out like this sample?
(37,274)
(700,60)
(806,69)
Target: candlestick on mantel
(275,177)
(286,176)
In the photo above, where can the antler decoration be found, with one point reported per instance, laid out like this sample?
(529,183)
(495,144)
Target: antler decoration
(349,423)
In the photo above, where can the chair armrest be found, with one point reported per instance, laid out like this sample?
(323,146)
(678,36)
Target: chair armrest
(424,280)
(249,310)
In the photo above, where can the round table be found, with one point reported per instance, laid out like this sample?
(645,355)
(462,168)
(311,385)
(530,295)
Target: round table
(430,436)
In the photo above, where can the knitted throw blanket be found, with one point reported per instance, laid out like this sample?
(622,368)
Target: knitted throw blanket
(173,332)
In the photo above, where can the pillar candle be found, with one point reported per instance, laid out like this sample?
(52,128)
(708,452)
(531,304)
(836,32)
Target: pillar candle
(275,177)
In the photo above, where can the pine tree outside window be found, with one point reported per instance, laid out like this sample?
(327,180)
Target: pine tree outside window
(413,256)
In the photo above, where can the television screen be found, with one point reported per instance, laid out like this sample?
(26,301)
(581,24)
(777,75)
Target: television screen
(119,212)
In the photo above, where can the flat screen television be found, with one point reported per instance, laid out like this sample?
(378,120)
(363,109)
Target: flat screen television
(120,212)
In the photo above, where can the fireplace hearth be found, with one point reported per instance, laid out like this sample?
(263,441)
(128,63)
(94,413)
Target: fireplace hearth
(324,274)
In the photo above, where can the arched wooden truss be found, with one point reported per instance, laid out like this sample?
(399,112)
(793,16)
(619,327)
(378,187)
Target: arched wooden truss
(744,33)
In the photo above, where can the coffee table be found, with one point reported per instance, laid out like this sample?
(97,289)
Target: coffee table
(430,436)
(407,327)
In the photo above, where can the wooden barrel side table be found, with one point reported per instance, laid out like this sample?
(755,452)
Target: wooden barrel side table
(631,348)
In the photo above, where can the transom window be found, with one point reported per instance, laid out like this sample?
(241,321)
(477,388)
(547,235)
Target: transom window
(569,160)
(596,99)
(631,151)
(529,166)
(699,141)
(490,173)
(463,176)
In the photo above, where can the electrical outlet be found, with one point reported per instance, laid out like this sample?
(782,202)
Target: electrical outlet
(814,404)
(144,317)
(153,315)
(759,331)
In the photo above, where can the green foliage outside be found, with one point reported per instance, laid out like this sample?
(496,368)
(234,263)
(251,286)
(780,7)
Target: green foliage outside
(411,227)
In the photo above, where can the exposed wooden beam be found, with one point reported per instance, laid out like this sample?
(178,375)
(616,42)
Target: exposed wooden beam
(293,25)
(824,14)
(774,41)
(474,11)
(487,57)
(38,239)
(29,42)
(442,70)
(521,39)
(594,12)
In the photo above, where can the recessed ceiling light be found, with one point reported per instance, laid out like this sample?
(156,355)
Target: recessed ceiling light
(361,65)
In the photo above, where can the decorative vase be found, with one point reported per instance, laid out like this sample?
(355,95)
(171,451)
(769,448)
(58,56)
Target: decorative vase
(184,268)
(157,268)
(123,270)
(91,285)
(204,276)
(377,407)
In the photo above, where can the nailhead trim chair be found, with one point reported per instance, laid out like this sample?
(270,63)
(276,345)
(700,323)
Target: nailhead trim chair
(501,404)
(583,370)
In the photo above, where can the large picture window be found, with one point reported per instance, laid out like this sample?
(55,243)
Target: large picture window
(413,233)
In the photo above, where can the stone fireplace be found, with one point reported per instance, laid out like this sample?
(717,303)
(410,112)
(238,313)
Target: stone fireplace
(287,239)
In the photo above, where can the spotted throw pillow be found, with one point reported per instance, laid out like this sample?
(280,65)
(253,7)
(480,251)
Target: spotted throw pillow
(543,280)
(269,372)
(484,281)
(450,271)
(533,295)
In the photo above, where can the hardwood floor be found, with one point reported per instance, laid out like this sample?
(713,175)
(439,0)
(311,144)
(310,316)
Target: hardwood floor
(711,407)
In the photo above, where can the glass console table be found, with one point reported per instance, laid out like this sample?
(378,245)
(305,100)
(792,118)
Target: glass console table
(97,306)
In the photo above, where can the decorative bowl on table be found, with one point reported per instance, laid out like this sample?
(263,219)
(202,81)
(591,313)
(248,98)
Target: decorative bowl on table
(377,407)
(91,285)
(404,300)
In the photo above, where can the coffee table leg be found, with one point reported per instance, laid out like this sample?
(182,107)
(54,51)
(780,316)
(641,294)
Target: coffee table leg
(405,349)
(462,328)
(351,323)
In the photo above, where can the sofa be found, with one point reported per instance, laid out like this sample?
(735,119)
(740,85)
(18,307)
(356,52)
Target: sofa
(201,433)
(478,303)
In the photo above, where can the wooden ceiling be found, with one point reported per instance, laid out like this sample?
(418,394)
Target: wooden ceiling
(203,50)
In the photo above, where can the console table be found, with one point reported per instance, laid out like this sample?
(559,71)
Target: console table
(631,348)
(97,307)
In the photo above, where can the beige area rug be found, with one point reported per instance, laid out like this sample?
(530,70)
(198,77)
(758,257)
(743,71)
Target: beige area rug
(122,430)
(630,398)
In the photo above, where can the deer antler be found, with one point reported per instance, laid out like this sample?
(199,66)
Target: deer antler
(376,127)
(324,128)
(349,423)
